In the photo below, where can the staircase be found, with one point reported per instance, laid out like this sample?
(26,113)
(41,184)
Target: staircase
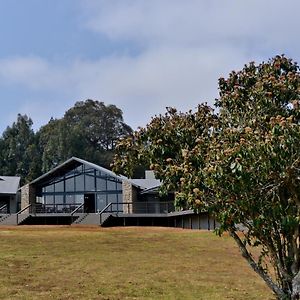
(80,218)
(3,219)
(91,219)
(22,218)
(9,220)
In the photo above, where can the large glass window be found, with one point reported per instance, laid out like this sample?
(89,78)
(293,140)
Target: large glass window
(49,199)
(49,188)
(101,201)
(70,184)
(71,187)
(112,198)
(79,198)
(101,184)
(79,182)
(111,185)
(89,182)
(59,186)
(70,199)
(59,199)
(119,186)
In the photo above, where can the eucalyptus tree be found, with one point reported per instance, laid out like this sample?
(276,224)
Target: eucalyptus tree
(19,150)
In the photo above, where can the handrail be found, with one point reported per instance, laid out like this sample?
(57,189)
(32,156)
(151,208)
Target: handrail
(2,207)
(20,211)
(23,209)
(103,210)
(76,209)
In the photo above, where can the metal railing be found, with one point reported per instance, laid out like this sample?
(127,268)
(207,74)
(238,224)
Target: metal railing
(40,208)
(148,207)
(79,209)
(22,211)
(4,209)
(145,207)
(106,209)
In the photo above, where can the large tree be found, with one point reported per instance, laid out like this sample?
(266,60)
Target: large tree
(20,154)
(242,165)
(88,130)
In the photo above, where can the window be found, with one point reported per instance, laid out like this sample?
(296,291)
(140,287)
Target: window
(101,201)
(59,199)
(59,186)
(79,181)
(70,199)
(49,188)
(101,184)
(49,199)
(70,184)
(89,182)
(111,185)
(79,199)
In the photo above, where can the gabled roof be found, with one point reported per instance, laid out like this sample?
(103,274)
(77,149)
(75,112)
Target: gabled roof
(69,164)
(9,185)
(145,184)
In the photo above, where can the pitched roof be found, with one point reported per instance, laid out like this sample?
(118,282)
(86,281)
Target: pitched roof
(73,162)
(9,184)
(68,165)
(145,184)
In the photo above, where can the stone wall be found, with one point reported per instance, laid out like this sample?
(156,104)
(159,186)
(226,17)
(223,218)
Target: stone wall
(129,195)
(27,195)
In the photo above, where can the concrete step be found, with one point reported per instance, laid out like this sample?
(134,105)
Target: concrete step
(13,219)
(79,217)
(22,218)
(90,218)
(9,220)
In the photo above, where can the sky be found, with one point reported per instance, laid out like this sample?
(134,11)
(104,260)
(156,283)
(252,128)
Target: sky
(140,55)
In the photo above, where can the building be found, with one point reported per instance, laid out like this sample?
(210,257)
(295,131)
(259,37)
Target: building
(80,192)
(9,186)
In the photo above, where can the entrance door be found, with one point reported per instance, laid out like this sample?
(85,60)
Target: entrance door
(89,203)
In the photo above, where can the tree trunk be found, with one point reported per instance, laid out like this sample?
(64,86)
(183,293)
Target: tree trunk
(296,287)
(280,294)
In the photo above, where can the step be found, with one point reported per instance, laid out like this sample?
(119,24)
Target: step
(9,220)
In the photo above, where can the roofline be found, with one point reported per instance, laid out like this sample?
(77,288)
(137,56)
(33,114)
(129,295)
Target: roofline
(82,161)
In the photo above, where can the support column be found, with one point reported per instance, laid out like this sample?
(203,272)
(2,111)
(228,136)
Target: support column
(28,195)
(129,196)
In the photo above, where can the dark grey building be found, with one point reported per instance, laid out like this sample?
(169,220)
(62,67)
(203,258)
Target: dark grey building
(80,192)
(75,182)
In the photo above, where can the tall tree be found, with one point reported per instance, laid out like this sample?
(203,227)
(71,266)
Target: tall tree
(242,165)
(88,130)
(19,151)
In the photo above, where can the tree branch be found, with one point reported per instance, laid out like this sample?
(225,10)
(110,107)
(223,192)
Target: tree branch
(268,280)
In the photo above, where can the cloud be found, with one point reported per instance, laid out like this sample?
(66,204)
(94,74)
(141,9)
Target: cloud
(177,51)
(196,22)
(142,85)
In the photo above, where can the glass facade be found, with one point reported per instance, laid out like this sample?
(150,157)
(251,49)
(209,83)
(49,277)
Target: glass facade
(81,185)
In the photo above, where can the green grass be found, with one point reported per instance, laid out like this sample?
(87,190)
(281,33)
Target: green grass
(123,263)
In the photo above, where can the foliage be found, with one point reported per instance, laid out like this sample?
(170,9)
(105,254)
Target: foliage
(88,130)
(242,165)
(19,150)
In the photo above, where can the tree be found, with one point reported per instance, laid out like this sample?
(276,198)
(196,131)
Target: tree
(242,165)
(89,130)
(19,151)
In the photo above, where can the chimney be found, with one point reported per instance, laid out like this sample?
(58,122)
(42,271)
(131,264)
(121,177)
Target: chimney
(149,174)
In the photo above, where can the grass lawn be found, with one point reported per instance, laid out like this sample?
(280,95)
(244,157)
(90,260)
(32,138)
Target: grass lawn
(123,263)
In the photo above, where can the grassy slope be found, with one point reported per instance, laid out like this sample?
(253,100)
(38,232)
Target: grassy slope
(122,263)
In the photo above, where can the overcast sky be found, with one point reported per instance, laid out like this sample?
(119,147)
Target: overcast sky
(141,55)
